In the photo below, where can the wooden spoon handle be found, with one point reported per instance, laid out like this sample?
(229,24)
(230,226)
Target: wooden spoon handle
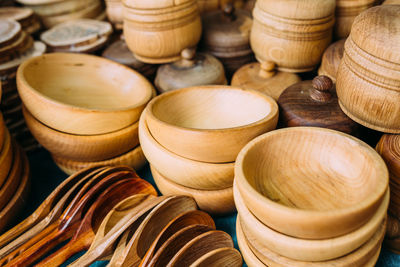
(16,231)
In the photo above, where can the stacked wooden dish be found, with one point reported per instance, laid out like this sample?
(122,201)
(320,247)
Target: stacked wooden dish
(25,16)
(85,109)
(53,12)
(310,197)
(191,138)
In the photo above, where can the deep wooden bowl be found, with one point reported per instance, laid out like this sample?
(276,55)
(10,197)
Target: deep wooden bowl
(183,171)
(311,182)
(308,249)
(214,201)
(83,147)
(210,123)
(82,94)
(6,157)
(133,158)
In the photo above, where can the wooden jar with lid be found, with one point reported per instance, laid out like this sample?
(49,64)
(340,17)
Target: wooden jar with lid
(331,60)
(158,31)
(291,33)
(368,79)
(192,70)
(264,78)
(226,36)
(314,103)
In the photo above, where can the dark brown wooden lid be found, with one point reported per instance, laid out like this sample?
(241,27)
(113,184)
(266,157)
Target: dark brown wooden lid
(314,103)
(331,59)
(389,148)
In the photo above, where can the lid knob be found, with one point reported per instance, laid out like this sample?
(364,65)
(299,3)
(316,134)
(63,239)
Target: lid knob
(321,88)
(188,57)
(229,11)
(267,69)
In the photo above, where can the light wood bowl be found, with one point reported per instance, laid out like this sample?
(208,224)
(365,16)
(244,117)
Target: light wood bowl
(210,123)
(82,94)
(183,171)
(6,157)
(134,158)
(214,202)
(308,249)
(311,182)
(83,147)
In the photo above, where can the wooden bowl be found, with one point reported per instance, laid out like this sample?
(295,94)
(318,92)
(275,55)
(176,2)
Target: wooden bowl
(82,94)
(133,158)
(308,249)
(183,171)
(311,182)
(83,147)
(213,201)
(6,157)
(210,123)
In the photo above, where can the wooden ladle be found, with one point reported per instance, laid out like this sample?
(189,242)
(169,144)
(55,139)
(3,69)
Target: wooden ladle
(219,257)
(134,249)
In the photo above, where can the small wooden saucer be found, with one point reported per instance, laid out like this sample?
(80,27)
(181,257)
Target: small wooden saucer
(9,32)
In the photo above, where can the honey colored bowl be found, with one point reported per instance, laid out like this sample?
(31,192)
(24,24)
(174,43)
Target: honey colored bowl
(183,171)
(83,147)
(311,182)
(82,94)
(214,201)
(210,123)
(308,249)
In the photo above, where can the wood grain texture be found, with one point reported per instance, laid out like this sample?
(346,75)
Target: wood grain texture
(391,2)
(83,147)
(331,60)
(264,78)
(292,34)
(217,202)
(368,77)
(178,27)
(219,257)
(82,105)
(114,9)
(6,157)
(276,171)
(183,171)
(210,123)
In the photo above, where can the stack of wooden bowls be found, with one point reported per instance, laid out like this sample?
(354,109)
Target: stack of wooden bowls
(53,12)
(16,46)
(191,138)
(310,196)
(25,16)
(84,109)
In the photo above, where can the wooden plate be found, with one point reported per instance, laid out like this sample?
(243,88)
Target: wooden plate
(6,157)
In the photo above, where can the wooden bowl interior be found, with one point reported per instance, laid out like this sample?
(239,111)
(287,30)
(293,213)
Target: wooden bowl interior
(211,108)
(86,81)
(313,170)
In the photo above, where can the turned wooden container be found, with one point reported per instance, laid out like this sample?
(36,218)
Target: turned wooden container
(114,10)
(193,69)
(292,33)
(331,60)
(158,31)
(226,35)
(346,12)
(368,79)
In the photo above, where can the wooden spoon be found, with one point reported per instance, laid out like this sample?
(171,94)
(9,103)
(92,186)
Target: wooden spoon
(219,257)
(150,228)
(181,221)
(85,234)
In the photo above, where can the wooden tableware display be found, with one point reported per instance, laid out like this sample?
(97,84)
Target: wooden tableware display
(119,52)
(79,36)
(368,79)
(314,103)
(25,16)
(192,70)
(346,12)
(264,78)
(158,31)
(114,10)
(226,35)
(292,34)
(275,185)
(331,60)
(80,95)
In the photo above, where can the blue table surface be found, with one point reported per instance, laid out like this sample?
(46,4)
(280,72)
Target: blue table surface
(45,176)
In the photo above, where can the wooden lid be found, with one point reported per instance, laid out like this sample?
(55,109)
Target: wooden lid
(154,4)
(377,32)
(194,69)
(298,9)
(119,52)
(389,148)
(314,103)
(331,59)
(263,77)
(9,30)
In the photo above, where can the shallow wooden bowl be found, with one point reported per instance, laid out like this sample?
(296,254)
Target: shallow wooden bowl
(6,157)
(83,147)
(183,171)
(210,123)
(213,201)
(82,94)
(308,249)
(311,182)
(134,158)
